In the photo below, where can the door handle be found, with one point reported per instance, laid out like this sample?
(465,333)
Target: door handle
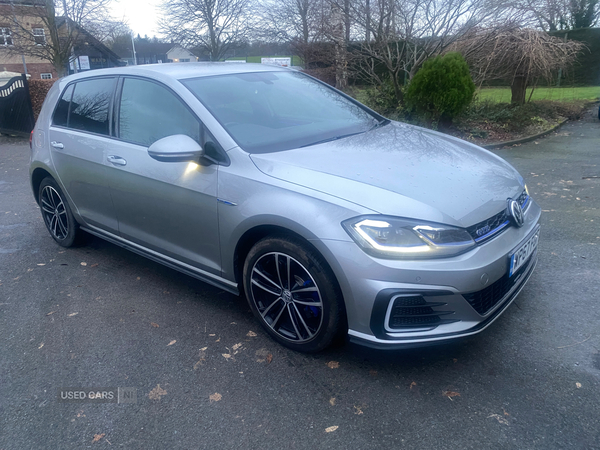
(57,144)
(117,160)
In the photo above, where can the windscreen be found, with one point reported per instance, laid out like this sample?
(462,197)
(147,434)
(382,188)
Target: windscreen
(274,111)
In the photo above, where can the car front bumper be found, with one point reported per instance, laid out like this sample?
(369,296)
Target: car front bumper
(398,304)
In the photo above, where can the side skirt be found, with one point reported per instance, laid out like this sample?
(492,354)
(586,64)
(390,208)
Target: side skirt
(172,263)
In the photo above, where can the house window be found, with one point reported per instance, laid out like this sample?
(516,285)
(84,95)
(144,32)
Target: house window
(5,36)
(39,35)
(46,76)
(185,60)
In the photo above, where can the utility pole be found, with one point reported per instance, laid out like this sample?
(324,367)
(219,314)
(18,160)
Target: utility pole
(134,55)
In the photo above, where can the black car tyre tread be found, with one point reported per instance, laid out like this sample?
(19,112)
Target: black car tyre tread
(67,233)
(333,325)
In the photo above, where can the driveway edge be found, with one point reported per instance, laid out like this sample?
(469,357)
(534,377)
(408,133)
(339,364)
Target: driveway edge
(525,139)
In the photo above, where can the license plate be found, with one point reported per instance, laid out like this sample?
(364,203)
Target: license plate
(522,254)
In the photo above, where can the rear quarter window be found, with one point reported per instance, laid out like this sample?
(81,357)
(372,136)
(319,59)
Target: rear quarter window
(61,113)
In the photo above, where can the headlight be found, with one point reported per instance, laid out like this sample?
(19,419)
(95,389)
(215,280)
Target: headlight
(391,237)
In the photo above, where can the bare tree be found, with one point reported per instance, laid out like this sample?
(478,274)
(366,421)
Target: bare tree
(521,56)
(211,25)
(50,29)
(402,34)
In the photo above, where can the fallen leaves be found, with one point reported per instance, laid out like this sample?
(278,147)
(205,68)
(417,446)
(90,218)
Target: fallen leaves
(332,401)
(155,325)
(333,365)
(331,429)
(263,355)
(499,418)
(83,263)
(97,437)
(578,385)
(72,314)
(41,345)
(50,313)
(450,394)
(202,356)
(199,363)
(235,349)
(171,343)
(251,334)
(216,397)
(358,410)
(157,393)
(413,384)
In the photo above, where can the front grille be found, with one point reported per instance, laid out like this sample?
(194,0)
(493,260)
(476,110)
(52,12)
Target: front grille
(416,312)
(484,300)
(486,229)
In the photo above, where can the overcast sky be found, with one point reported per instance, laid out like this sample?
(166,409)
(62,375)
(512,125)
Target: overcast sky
(141,15)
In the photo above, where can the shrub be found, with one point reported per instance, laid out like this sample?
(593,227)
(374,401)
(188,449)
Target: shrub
(442,88)
(38,89)
(380,98)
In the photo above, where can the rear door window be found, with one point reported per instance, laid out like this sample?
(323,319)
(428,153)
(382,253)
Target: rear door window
(149,112)
(89,109)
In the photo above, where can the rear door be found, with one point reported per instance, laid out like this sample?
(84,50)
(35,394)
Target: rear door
(79,145)
(167,207)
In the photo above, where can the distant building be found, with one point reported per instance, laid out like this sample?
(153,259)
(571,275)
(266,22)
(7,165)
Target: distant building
(158,52)
(90,52)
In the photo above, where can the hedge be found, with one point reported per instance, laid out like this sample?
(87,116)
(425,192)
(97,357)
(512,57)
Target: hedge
(38,89)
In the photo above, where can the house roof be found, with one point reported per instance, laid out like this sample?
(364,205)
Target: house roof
(152,48)
(61,20)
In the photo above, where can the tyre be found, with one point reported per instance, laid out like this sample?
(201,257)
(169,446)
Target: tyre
(57,214)
(294,294)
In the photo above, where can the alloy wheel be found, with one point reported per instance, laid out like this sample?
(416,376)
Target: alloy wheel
(54,213)
(286,297)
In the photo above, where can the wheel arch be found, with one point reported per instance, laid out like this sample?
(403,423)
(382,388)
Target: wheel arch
(37,176)
(256,233)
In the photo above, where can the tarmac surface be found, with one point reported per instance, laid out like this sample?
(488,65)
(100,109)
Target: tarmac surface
(207,376)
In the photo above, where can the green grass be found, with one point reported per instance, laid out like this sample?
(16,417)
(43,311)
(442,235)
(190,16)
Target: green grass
(502,94)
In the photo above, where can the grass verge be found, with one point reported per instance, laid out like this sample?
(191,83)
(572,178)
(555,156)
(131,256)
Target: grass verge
(503,94)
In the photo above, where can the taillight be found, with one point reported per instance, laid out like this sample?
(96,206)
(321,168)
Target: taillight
(31,140)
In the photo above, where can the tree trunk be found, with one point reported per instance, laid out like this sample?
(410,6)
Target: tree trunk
(518,89)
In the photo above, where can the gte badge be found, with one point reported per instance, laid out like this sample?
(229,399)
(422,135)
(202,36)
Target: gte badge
(98,395)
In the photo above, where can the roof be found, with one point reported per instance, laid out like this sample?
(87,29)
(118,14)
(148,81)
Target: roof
(181,71)
(152,48)
(60,21)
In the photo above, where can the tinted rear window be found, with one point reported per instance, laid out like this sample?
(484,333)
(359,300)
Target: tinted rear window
(90,105)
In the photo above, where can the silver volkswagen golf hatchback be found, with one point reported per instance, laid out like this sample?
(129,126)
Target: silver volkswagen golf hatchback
(332,220)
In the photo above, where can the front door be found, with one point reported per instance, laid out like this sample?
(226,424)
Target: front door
(167,207)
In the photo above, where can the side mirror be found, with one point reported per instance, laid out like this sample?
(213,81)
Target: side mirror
(176,148)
